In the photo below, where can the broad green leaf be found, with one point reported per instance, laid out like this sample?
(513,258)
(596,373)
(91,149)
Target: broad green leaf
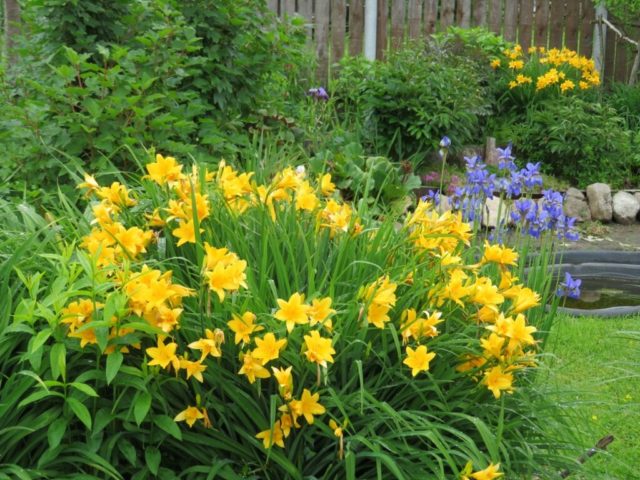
(80,411)
(58,359)
(128,451)
(152,457)
(56,432)
(84,388)
(141,406)
(114,360)
(167,424)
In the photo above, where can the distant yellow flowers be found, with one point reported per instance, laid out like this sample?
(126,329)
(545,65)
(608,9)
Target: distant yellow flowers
(545,69)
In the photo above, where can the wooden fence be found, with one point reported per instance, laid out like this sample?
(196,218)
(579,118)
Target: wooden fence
(337,26)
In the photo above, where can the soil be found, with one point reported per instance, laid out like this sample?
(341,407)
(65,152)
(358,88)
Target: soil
(616,237)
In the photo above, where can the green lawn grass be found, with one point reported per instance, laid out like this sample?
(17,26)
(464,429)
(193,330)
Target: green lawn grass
(594,367)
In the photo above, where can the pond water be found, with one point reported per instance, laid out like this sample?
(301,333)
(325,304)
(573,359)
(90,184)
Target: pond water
(605,292)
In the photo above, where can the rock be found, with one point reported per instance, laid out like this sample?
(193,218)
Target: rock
(444,205)
(575,205)
(599,196)
(492,208)
(625,208)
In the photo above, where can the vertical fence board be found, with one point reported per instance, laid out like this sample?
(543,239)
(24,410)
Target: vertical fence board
(620,69)
(609,53)
(447,14)
(495,16)
(322,18)
(556,24)
(549,23)
(525,24)
(381,39)
(463,13)
(542,21)
(588,15)
(479,16)
(287,7)
(414,16)
(430,16)
(572,25)
(356,26)
(305,8)
(338,25)
(511,20)
(397,23)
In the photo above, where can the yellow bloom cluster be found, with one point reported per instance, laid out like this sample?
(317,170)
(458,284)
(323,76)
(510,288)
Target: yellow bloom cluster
(265,341)
(490,473)
(546,68)
(437,233)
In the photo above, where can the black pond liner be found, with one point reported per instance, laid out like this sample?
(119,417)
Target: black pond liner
(610,265)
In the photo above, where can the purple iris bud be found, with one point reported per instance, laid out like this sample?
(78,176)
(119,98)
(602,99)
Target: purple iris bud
(523,205)
(505,158)
(505,153)
(318,93)
(531,175)
(570,287)
(433,196)
(445,142)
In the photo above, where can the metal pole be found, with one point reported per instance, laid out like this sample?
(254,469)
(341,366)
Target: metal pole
(370,24)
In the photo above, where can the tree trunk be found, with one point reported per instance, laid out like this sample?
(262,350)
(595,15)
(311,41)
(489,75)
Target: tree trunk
(11,29)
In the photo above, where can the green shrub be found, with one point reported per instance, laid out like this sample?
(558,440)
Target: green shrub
(158,77)
(626,100)
(410,101)
(477,44)
(579,141)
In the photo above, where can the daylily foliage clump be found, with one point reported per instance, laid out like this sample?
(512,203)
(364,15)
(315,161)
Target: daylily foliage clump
(265,309)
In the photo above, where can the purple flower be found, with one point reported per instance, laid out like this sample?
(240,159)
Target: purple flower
(506,160)
(318,93)
(431,177)
(531,175)
(433,196)
(445,142)
(570,287)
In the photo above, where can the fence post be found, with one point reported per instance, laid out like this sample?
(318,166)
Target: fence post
(599,38)
(370,33)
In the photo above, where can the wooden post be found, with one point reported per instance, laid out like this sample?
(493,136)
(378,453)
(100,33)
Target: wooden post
(322,39)
(356,26)
(526,23)
(571,34)
(599,39)
(414,15)
(338,25)
(447,14)
(463,13)
(587,28)
(12,21)
(542,23)
(397,23)
(510,21)
(381,29)
(490,152)
(430,16)
(479,16)
(495,16)
(557,17)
